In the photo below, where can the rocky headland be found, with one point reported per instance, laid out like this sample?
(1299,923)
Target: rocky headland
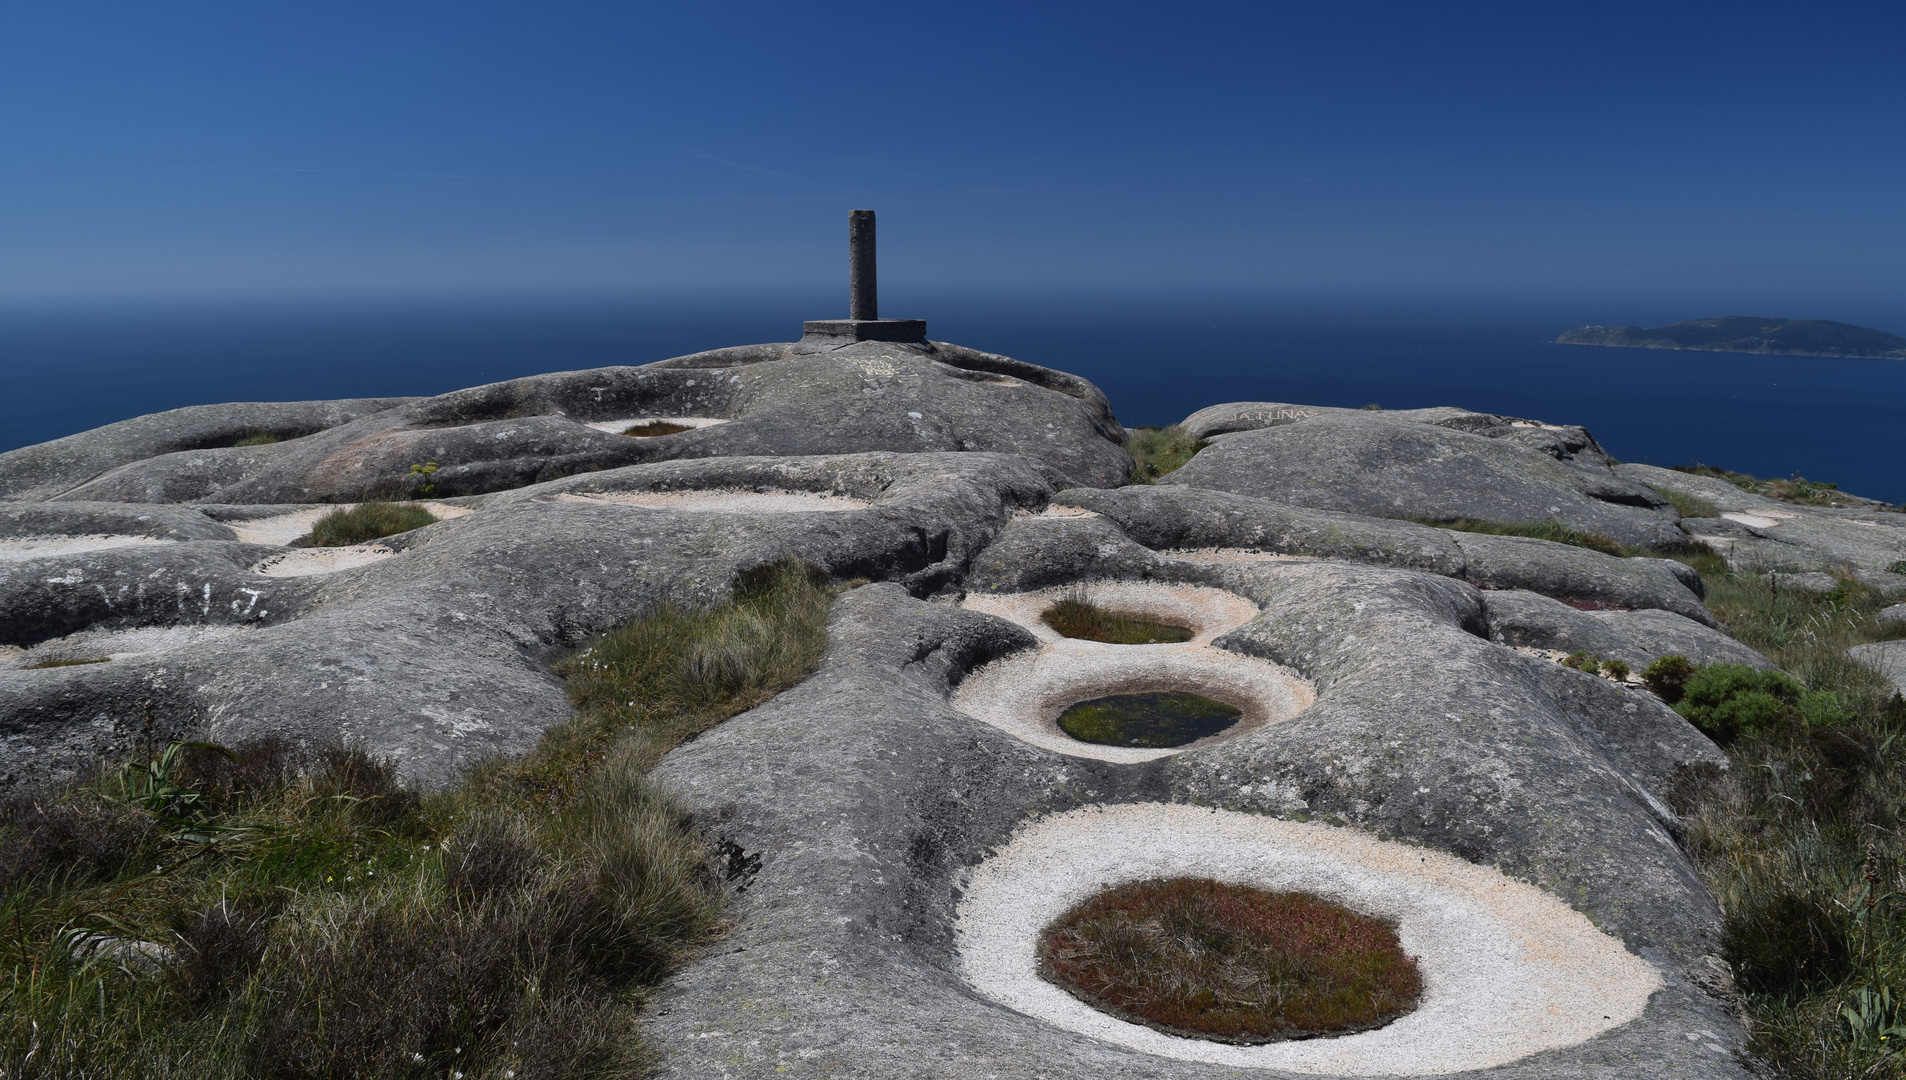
(1399,677)
(1749,334)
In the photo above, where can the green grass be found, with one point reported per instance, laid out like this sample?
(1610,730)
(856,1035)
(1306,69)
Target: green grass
(1800,840)
(1689,506)
(67,663)
(1796,489)
(1153,720)
(1158,451)
(1203,959)
(262,438)
(1551,529)
(368,521)
(324,921)
(1076,617)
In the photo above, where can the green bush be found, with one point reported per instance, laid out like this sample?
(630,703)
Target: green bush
(368,521)
(1582,662)
(1615,669)
(1729,700)
(1668,676)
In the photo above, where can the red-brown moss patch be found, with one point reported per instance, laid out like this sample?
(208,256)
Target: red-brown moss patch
(1206,960)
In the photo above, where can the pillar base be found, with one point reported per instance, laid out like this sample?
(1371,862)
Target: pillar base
(905,330)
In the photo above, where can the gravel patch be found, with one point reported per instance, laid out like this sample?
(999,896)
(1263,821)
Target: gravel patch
(1024,694)
(1508,970)
(725,501)
(305,562)
(21,548)
(617,427)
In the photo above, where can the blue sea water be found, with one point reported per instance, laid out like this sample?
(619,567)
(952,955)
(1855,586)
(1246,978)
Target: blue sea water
(69,369)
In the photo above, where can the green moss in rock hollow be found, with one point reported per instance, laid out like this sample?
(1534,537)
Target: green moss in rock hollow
(1151,721)
(368,521)
(1076,617)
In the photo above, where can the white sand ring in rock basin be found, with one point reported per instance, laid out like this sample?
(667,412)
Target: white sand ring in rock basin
(1508,970)
(304,562)
(283,528)
(1024,694)
(724,501)
(21,548)
(617,427)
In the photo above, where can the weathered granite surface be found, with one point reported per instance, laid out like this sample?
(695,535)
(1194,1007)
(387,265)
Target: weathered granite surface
(438,655)
(1758,533)
(1887,657)
(1430,466)
(868,396)
(857,802)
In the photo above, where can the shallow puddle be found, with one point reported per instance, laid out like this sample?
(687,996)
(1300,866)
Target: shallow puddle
(1151,721)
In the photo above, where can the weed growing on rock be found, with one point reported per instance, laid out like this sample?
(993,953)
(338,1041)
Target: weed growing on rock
(1203,959)
(1615,669)
(1796,489)
(1689,506)
(262,438)
(266,912)
(1800,841)
(368,521)
(422,477)
(1582,662)
(1158,451)
(1077,617)
(1551,530)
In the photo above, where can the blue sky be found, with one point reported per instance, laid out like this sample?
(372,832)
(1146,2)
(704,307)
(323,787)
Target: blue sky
(1751,155)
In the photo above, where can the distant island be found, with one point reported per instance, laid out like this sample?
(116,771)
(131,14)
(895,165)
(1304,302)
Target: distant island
(1747,334)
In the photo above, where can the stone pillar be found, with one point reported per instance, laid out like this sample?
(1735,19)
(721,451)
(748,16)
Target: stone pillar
(863,288)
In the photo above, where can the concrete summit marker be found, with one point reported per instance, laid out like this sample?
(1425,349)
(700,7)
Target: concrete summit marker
(863,322)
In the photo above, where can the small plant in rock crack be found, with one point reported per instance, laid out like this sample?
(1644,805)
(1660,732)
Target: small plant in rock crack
(422,478)
(1615,669)
(1582,662)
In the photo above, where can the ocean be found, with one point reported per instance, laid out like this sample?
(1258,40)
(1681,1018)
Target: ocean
(67,369)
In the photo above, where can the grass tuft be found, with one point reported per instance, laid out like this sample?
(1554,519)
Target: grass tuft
(312,917)
(1796,489)
(1203,959)
(260,438)
(67,663)
(368,521)
(1077,617)
(1551,529)
(1688,506)
(1158,451)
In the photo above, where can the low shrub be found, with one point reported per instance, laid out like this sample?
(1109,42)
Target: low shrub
(1668,676)
(319,919)
(1796,489)
(1728,700)
(368,521)
(1205,959)
(1615,669)
(1582,662)
(1159,451)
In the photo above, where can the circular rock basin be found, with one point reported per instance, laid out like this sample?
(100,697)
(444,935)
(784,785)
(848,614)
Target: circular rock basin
(1507,970)
(1154,720)
(1119,693)
(1207,959)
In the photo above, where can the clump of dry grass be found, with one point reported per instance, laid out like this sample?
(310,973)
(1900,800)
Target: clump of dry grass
(267,912)
(1795,489)
(1077,617)
(1159,451)
(368,521)
(1204,959)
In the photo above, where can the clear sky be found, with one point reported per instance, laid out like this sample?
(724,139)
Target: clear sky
(1751,153)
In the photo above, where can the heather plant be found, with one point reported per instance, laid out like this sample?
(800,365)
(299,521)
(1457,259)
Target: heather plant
(267,911)
(1159,451)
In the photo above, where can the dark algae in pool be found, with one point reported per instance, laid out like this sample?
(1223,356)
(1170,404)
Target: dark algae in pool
(1151,721)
